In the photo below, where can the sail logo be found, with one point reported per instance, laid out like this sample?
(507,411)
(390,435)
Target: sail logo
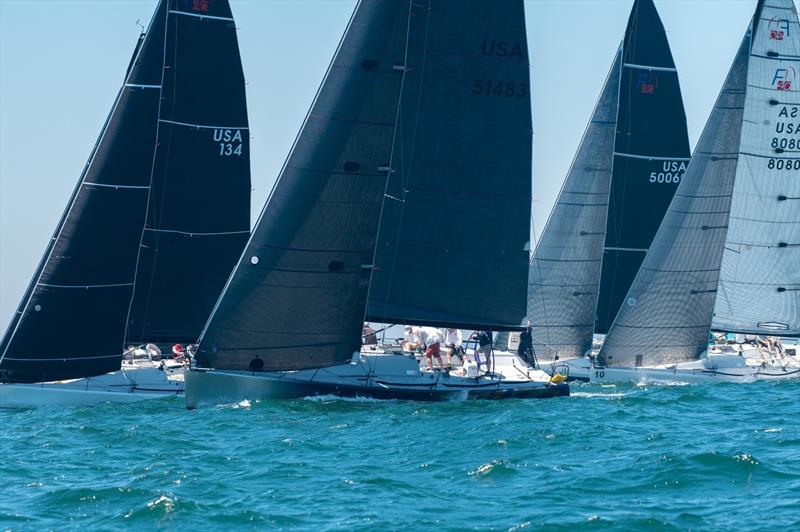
(501,48)
(229,140)
(778,28)
(201,5)
(647,83)
(783,78)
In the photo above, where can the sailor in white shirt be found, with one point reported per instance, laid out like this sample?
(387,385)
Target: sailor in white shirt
(453,340)
(432,338)
(410,338)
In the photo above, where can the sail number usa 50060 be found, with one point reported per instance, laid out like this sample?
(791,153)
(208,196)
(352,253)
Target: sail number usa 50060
(671,172)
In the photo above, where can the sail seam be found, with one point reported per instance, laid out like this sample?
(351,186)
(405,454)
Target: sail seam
(650,157)
(198,126)
(104,185)
(197,15)
(115,285)
(140,86)
(59,358)
(195,233)
(650,67)
(624,249)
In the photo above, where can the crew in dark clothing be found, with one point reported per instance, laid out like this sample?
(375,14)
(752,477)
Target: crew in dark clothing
(525,350)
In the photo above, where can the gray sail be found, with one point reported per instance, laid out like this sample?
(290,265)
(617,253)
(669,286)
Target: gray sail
(759,287)
(297,296)
(564,274)
(452,245)
(666,314)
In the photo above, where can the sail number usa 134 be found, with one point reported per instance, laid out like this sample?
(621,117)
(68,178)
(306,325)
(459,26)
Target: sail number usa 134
(229,140)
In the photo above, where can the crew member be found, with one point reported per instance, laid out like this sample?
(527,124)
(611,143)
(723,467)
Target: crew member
(411,338)
(431,338)
(453,341)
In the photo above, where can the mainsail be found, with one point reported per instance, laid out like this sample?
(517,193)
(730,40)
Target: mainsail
(733,199)
(198,218)
(297,297)
(452,245)
(629,163)
(72,320)
(650,155)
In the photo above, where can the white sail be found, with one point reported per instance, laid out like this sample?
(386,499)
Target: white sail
(759,286)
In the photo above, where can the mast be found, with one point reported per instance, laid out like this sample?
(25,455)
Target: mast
(453,240)
(198,216)
(72,317)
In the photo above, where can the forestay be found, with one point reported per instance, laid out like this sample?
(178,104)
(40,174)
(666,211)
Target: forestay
(564,275)
(452,247)
(198,218)
(297,297)
(71,320)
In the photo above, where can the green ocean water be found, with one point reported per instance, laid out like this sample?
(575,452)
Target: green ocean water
(695,457)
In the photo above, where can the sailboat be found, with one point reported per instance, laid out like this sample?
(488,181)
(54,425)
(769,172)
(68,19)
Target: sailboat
(726,256)
(423,100)
(167,182)
(630,161)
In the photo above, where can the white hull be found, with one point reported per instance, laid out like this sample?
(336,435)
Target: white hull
(712,368)
(124,386)
(382,376)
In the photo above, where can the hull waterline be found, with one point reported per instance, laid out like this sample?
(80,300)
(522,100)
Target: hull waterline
(380,377)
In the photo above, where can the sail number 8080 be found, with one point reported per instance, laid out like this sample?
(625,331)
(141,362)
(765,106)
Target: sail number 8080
(665,177)
(784,164)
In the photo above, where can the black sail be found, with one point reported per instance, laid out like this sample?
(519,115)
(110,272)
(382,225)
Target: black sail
(71,320)
(651,151)
(452,246)
(198,218)
(296,299)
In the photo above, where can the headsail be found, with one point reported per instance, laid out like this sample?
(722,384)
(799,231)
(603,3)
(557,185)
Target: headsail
(625,172)
(297,297)
(452,246)
(759,286)
(668,310)
(198,218)
(564,275)
(650,155)
(71,320)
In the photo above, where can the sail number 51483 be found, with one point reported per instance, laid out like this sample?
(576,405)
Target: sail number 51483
(508,89)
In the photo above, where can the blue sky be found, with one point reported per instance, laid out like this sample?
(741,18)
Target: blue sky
(61,64)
